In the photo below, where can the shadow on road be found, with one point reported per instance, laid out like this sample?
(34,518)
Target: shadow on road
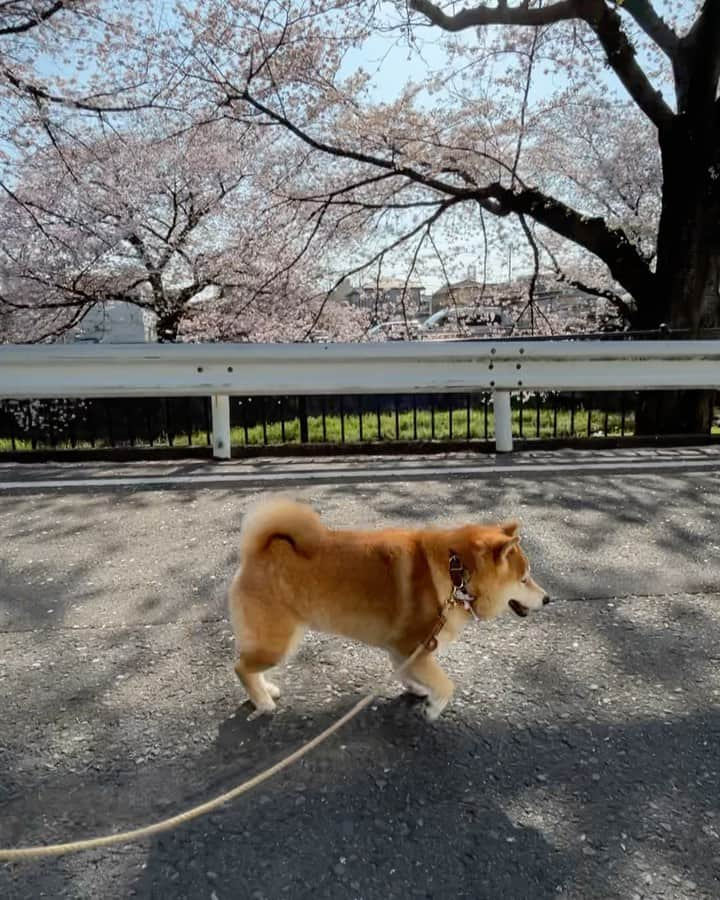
(394,807)
(581,762)
(460,813)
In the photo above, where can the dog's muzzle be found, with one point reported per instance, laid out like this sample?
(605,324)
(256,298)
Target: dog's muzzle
(522,611)
(518,608)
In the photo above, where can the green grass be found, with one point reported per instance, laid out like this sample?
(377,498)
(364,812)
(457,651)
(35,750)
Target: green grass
(561,425)
(405,428)
(199,439)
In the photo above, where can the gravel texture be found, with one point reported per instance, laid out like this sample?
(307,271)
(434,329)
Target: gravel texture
(578,759)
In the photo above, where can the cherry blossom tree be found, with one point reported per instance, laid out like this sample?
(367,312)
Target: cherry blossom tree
(106,193)
(119,218)
(74,60)
(289,313)
(592,125)
(178,226)
(587,129)
(69,70)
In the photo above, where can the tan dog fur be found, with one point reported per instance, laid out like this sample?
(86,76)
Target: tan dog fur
(385,588)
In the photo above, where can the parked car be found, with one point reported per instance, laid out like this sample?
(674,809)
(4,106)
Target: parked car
(395,330)
(464,320)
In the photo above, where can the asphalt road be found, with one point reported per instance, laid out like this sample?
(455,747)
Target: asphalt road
(579,759)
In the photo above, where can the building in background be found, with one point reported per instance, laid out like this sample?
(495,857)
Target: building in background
(114,322)
(467,292)
(387,296)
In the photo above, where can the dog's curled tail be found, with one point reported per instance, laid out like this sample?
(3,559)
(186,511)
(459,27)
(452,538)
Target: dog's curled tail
(287,520)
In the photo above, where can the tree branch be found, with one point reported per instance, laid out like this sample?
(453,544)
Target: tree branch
(607,25)
(33,21)
(39,93)
(626,263)
(533,278)
(425,225)
(654,26)
(603,20)
(700,53)
(502,14)
(618,302)
(345,153)
(524,106)
(611,245)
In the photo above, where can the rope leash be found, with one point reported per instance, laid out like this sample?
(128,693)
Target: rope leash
(136,834)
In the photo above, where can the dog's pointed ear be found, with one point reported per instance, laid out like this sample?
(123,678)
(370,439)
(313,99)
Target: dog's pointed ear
(510,528)
(505,546)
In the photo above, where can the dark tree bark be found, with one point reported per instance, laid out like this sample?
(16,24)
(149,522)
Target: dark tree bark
(683,291)
(168,324)
(688,246)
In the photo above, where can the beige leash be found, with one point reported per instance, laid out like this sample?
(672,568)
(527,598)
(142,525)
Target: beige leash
(136,834)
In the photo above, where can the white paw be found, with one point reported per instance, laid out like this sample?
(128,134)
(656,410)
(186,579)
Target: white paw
(262,710)
(435,707)
(418,690)
(272,689)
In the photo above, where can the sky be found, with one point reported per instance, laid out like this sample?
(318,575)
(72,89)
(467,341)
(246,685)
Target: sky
(392,64)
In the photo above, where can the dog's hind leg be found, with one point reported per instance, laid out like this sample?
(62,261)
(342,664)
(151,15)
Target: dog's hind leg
(259,650)
(248,669)
(272,688)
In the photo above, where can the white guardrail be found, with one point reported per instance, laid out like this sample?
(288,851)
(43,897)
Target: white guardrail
(219,370)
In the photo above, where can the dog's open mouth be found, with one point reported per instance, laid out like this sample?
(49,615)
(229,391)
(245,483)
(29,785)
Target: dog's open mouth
(518,608)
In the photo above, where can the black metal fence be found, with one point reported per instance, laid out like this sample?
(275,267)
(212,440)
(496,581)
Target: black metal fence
(104,423)
(267,423)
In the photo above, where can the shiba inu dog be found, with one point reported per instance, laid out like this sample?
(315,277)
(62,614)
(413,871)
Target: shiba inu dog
(387,588)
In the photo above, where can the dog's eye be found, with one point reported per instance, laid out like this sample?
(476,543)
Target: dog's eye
(524,579)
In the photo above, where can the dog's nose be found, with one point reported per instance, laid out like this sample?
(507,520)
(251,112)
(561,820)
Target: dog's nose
(546,600)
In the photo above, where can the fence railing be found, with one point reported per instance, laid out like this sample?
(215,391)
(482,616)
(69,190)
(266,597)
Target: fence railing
(466,369)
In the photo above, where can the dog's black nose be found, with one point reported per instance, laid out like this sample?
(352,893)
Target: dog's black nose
(546,600)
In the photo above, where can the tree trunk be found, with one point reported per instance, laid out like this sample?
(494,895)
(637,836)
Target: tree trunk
(687,301)
(168,325)
(687,413)
(688,258)
(688,249)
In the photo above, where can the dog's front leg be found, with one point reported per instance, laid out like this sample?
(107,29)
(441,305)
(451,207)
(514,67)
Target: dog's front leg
(411,686)
(426,672)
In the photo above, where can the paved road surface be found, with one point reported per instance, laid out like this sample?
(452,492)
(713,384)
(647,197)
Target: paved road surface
(579,758)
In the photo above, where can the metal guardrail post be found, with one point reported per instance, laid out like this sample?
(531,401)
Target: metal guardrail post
(220,408)
(503,422)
